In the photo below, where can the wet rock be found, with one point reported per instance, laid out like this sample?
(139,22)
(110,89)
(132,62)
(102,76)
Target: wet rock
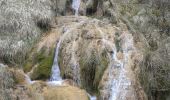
(88,60)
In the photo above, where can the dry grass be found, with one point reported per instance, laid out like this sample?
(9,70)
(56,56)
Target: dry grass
(51,39)
(65,93)
(21,24)
(18,76)
(6,82)
(154,73)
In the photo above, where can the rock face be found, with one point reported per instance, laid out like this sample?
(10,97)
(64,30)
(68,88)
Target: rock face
(64,7)
(148,21)
(123,56)
(84,62)
(95,54)
(119,81)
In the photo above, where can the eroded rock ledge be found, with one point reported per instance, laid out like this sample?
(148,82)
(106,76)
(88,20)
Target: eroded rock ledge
(87,56)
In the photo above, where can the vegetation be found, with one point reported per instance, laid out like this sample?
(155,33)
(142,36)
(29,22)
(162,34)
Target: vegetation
(43,61)
(92,65)
(18,76)
(148,21)
(6,83)
(43,70)
(24,22)
(154,75)
(21,24)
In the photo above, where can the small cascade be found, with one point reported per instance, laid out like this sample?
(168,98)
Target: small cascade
(121,83)
(117,82)
(75,6)
(55,76)
(28,80)
(76,73)
(92,97)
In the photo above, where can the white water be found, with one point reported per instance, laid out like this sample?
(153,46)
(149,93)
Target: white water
(55,76)
(76,68)
(121,83)
(28,80)
(75,6)
(92,97)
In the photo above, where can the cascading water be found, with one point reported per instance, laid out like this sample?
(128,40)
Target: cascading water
(121,84)
(76,71)
(75,6)
(55,76)
(118,83)
(28,80)
(92,97)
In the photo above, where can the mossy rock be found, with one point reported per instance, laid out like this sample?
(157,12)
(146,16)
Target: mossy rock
(30,61)
(91,60)
(44,64)
(101,68)
(28,66)
(87,67)
(92,70)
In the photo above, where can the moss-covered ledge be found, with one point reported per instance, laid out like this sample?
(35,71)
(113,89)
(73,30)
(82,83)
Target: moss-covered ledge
(41,63)
(43,69)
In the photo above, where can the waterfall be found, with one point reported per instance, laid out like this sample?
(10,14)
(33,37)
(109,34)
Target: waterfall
(75,6)
(55,76)
(121,83)
(93,98)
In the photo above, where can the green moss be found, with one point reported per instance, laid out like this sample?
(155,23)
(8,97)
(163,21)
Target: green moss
(103,63)
(117,42)
(88,66)
(28,66)
(43,70)
(42,61)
